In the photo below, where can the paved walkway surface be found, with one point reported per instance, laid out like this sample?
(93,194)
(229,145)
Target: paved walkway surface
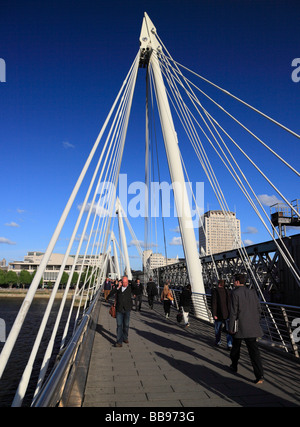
(167,365)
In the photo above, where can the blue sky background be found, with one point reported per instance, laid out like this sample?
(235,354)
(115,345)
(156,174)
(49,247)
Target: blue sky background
(65,62)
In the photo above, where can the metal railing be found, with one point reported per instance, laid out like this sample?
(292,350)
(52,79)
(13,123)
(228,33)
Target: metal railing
(280,323)
(58,386)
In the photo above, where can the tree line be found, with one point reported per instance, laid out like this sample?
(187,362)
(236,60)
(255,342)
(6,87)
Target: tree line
(10,279)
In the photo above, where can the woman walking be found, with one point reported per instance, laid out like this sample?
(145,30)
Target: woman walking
(167,298)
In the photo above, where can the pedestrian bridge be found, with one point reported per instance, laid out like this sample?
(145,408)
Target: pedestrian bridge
(166,365)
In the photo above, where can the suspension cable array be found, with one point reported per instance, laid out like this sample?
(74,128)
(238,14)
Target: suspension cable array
(93,202)
(94,235)
(175,80)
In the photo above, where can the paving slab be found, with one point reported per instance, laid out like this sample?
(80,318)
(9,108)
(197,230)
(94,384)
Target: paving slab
(166,365)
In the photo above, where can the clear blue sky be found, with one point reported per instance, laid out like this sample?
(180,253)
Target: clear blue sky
(65,62)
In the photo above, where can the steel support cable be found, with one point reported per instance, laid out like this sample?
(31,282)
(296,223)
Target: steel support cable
(190,137)
(85,227)
(91,209)
(123,136)
(120,130)
(193,137)
(116,131)
(252,134)
(27,372)
(119,126)
(186,126)
(199,214)
(119,133)
(274,322)
(158,166)
(92,204)
(236,98)
(126,120)
(95,269)
(152,163)
(257,200)
(133,235)
(285,255)
(249,269)
(14,333)
(224,131)
(198,147)
(147,182)
(241,101)
(191,133)
(51,342)
(224,209)
(253,163)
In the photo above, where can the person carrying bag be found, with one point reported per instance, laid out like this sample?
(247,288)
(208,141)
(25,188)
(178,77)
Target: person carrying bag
(167,298)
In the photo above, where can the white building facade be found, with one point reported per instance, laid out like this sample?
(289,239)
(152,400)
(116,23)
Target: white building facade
(33,259)
(218,232)
(155,260)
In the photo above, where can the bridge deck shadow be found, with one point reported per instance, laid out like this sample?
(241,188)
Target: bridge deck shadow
(166,365)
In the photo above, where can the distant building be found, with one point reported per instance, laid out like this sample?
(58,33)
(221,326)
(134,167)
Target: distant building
(33,259)
(155,260)
(218,232)
(3,265)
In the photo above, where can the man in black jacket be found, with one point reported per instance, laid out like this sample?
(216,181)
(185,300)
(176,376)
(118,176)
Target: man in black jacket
(245,309)
(151,292)
(138,293)
(123,294)
(220,310)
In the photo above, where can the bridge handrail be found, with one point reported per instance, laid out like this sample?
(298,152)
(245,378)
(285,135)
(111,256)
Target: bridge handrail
(277,325)
(278,321)
(51,393)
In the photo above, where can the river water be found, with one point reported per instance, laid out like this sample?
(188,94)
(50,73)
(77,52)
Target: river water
(9,307)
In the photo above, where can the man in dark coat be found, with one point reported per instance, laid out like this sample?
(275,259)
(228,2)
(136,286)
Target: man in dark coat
(138,293)
(106,288)
(245,312)
(123,294)
(220,311)
(151,292)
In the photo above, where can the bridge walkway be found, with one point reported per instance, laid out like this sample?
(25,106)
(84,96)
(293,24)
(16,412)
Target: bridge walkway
(167,365)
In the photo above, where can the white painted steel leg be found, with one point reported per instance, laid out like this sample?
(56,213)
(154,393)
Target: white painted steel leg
(174,161)
(116,259)
(123,240)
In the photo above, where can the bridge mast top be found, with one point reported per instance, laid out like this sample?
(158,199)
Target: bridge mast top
(148,41)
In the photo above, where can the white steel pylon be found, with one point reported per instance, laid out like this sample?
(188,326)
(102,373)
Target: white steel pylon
(116,260)
(150,49)
(119,212)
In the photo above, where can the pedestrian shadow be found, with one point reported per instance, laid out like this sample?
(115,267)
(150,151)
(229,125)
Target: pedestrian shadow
(105,333)
(287,380)
(171,327)
(215,385)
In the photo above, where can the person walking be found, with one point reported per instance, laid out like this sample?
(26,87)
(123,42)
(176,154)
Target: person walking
(151,292)
(185,300)
(138,294)
(107,288)
(220,311)
(123,293)
(245,312)
(167,298)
